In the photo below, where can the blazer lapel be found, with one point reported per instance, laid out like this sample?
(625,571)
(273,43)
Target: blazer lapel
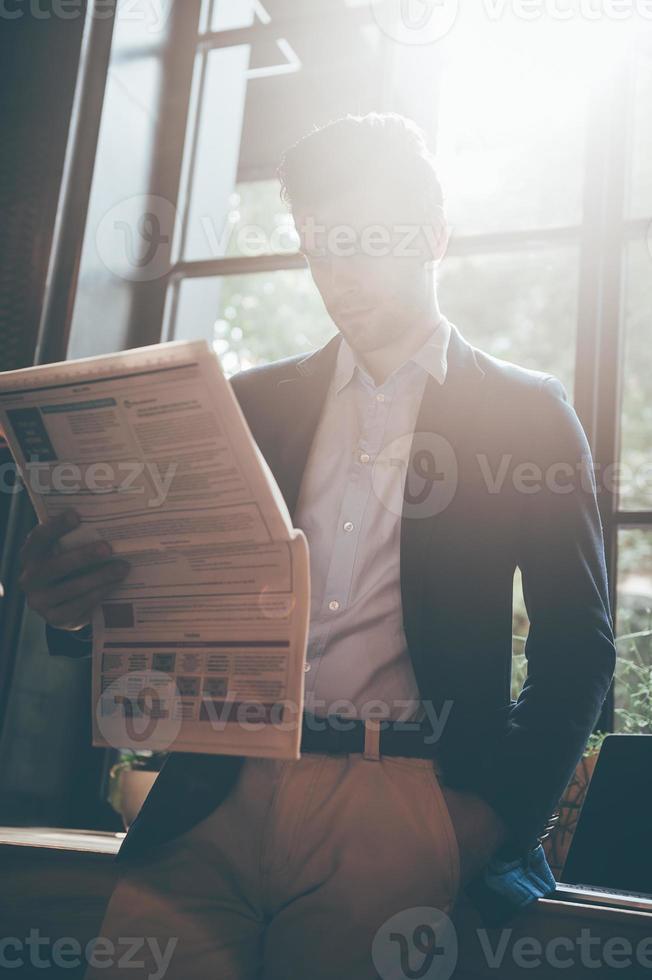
(302,399)
(444,426)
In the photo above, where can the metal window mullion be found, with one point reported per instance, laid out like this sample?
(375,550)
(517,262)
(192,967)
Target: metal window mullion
(600,321)
(166,171)
(634,518)
(301,24)
(462,246)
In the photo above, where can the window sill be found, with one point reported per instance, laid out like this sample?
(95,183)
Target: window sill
(50,838)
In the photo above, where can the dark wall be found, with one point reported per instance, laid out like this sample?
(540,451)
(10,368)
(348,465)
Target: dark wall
(39,58)
(38,65)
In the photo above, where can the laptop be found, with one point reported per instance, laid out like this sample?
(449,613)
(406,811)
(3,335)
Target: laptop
(610,857)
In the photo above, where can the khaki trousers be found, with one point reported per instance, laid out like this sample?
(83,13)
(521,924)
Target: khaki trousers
(290,878)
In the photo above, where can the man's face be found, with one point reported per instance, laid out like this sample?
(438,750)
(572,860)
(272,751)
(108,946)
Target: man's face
(369,265)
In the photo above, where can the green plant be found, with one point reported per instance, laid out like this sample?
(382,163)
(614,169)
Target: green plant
(131,760)
(634,683)
(143,759)
(594,744)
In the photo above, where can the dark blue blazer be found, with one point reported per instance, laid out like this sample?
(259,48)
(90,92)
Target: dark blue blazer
(457,571)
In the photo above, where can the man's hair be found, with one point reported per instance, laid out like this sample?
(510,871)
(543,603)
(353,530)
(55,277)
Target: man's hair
(355,152)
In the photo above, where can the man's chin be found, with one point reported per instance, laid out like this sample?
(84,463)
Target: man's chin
(363,340)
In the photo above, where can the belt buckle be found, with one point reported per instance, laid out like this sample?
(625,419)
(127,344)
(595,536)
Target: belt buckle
(372,729)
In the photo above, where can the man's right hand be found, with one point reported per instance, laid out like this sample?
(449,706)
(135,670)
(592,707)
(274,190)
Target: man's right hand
(65,587)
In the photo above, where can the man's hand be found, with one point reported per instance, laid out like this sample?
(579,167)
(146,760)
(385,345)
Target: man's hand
(64,587)
(478,828)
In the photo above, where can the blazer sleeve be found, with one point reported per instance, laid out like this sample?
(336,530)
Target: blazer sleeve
(570,647)
(64,643)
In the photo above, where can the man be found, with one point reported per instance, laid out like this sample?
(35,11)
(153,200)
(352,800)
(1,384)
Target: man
(423,472)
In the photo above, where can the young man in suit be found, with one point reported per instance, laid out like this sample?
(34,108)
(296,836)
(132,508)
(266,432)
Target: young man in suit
(423,472)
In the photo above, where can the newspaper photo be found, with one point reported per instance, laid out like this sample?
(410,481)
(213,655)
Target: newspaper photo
(202,647)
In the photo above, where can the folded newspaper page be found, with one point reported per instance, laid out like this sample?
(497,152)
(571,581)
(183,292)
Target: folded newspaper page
(202,647)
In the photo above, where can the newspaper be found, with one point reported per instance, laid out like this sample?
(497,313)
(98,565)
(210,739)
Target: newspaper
(202,647)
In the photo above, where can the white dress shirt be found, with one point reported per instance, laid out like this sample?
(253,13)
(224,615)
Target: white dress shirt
(358,661)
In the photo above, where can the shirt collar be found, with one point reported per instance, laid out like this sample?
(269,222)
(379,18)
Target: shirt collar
(432,357)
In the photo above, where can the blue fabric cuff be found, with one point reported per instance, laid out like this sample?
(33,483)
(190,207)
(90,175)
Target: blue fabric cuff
(507,887)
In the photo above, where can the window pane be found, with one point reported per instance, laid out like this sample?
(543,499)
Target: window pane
(636,434)
(520,306)
(139,24)
(112,242)
(258,222)
(229,14)
(214,173)
(633,689)
(512,124)
(640,191)
(253,319)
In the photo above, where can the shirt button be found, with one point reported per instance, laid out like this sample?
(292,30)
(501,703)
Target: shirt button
(307,667)
(333,605)
(348,527)
(364,457)
(380,398)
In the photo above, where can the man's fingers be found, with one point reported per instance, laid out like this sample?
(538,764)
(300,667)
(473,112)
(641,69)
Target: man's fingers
(44,536)
(76,588)
(38,575)
(73,615)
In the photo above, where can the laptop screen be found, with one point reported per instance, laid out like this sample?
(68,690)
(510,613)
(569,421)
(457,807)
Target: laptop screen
(612,845)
